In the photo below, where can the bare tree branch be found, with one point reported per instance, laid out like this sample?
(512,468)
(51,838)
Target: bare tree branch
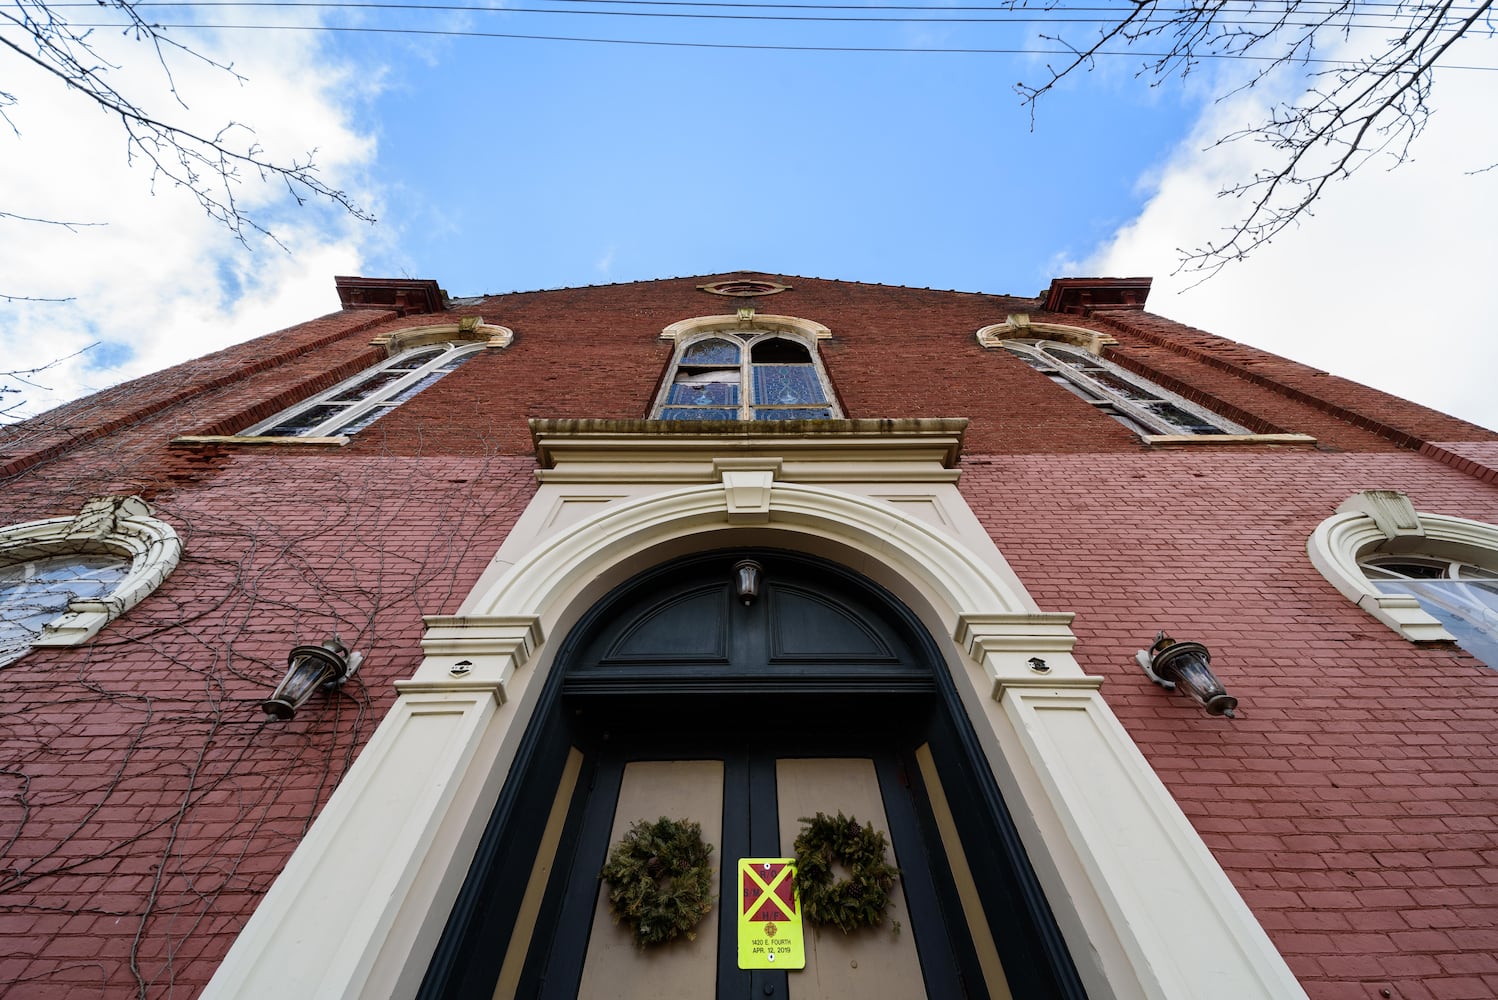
(65,224)
(11,399)
(209,166)
(1367,107)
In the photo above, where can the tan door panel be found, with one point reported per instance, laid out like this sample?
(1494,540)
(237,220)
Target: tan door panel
(615,969)
(876,963)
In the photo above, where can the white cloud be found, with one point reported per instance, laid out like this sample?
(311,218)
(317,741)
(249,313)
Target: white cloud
(1388,284)
(159,282)
(605,263)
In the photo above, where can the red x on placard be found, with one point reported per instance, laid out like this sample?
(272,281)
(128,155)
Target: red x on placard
(769,891)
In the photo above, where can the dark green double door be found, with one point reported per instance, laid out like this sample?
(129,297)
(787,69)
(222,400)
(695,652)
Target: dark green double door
(674,697)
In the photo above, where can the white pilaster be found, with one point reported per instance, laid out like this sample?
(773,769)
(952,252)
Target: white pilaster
(1152,896)
(317,932)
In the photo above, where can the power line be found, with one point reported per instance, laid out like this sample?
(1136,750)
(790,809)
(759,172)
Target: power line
(660,43)
(1248,5)
(1398,14)
(789,18)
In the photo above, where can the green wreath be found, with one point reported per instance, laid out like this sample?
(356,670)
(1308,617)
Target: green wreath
(660,880)
(853,902)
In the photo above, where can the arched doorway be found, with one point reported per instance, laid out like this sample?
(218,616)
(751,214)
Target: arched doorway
(675,697)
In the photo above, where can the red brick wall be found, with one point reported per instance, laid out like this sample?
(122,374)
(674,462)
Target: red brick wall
(145,806)
(596,352)
(1355,799)
(1404,423)
(146,803)
(309,347)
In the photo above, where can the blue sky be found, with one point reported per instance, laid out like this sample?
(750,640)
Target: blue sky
(571,162)
(496,164)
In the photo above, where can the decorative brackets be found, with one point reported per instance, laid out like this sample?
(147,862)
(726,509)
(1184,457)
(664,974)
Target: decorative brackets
(1391,510)
(1024,650)
(473,653)
(746,487)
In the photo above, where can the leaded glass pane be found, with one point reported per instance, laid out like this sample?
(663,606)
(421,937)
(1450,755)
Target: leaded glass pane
(1183,419)
(1127,421)
(34,592)
(787,384)
(415,359)
(303,423)
(796,413)
(1124,387)
(1086,362)
(1467,608)
(365,419)
(1080,391)
(385,406)
(1042,364)
(705,413)
(711,352)
(371,385)
(705,392)
(1133,401)
(381,387)
(418,385)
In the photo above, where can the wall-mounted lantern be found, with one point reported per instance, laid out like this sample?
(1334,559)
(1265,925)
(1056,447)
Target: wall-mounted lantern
(746,579)
(310,668)
(1186,665)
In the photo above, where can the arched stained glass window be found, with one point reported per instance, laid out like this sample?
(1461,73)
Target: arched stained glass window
(1133,401)
(707,383)
(746,376)
(355,403)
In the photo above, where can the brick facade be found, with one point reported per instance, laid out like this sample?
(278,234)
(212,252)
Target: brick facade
(145,807)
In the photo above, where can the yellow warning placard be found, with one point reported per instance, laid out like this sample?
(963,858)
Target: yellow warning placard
(769,915)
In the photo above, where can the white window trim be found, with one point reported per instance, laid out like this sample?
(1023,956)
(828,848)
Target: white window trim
(801,331)
(1018,326)
(378,400)
(1110,400)
(1386,520)
(122,526)
(471,328)
(809,331)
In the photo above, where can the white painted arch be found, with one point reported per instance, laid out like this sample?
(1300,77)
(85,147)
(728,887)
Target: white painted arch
(689,329)
(1018,326)
(815,515)
(122,526)
(356,915)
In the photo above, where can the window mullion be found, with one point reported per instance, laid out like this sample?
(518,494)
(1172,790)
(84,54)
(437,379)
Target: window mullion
(1137,411)
(383,395)
(323,398)
(1126,406)
(1142,412)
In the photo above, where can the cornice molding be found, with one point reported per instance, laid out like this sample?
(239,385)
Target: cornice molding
(811,450)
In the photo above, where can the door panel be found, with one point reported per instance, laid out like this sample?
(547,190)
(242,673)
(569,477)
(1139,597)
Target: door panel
(683,970)
(749,805)
(877,962)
